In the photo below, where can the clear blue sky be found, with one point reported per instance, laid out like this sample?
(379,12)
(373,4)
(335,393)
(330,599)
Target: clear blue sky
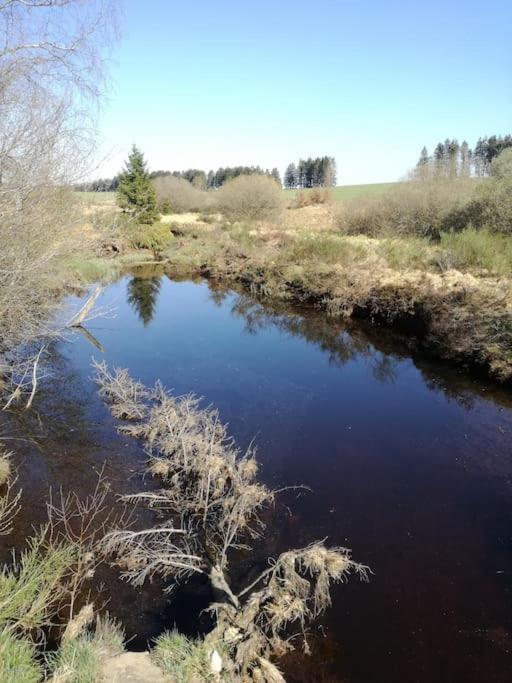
(213,83)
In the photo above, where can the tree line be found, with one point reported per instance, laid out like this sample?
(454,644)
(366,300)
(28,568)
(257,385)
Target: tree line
(99,185)
(197,177)
(307,173)
(451,159)
(215,179)
(318,172)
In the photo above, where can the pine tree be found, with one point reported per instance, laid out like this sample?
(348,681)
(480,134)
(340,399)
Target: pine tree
(290,177)
(276,176)
(424,158)
(440,159)
(452,149)
(142,296)
(135,192)
(465,159)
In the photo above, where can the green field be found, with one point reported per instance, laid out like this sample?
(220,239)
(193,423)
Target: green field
(340,193)
(343,192)
(97,197)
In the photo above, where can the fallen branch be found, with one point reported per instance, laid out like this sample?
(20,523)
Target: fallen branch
(79,318)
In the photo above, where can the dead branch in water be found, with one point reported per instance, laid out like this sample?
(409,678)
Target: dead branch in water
(210,487)
(82,314)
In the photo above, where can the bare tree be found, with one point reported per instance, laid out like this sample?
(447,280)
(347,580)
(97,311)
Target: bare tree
(52,56)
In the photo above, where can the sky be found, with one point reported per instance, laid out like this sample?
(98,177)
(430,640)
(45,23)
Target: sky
(209,83)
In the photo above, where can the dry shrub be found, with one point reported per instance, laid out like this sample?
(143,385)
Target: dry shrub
(501,166)
(313,197)
(492,206)
(251,198)
(421,208)
(210,504)
(178,195)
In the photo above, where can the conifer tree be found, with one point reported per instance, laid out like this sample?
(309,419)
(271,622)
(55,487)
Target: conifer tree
(465,159)
(142,296)
(290,177)
(135,193)
(424,158)
(275,174)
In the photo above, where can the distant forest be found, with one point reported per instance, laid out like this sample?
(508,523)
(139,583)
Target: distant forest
(452,159)
(318,172)
(198,178)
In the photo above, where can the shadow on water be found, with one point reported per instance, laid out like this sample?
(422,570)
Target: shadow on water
(409,460)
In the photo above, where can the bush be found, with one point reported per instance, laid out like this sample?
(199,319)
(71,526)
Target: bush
(478,249)
(249,198)
(501,166)
(179,196)
(318,195)
(492,207)
(421,208)
(155,237)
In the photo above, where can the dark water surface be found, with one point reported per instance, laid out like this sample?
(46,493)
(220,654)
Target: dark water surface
(410,462)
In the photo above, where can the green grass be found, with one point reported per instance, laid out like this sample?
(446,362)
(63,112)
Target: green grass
(185,660)
(18,660)
(28,588)
(345,192)
(91,268)
(79,660)
(354,191)
(97,197)
(478,249)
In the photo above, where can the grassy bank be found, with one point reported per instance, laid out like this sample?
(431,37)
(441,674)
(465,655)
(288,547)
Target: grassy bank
(450,288)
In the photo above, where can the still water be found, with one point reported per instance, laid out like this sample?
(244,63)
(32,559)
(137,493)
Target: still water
(409,462)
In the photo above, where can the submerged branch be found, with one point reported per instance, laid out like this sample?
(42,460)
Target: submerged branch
(212,486)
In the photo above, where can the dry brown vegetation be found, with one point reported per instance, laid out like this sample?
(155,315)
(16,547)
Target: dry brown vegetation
(179,195)
(210,504)
(249,198)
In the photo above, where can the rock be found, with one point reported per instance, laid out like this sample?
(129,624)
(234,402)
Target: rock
(132,667)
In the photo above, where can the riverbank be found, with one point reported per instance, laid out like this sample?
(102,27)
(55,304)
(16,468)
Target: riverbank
(454,296)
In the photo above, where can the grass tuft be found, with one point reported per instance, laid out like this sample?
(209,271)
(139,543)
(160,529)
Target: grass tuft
(79,660)
(183,659)
(18,660)
(478,249)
